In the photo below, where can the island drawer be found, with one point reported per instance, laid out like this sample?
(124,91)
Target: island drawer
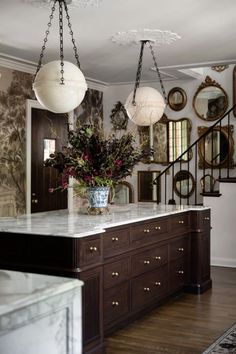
(201,220)
(149,232)
(179,248)
(178,274)
(116,272)
(180,223)
(114,242)
(148,260)
(149,286)
(116,302)
(90,251)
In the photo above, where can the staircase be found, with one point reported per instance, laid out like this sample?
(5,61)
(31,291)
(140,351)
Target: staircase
(209,162)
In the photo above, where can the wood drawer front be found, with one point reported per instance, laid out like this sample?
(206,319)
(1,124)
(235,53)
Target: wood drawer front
(180,222)
(116,302)
(116,272)
(149,232)
(149,286)
(148,260)
(114,242)
(178,274)
(205,220)
(179,248)
(90,251)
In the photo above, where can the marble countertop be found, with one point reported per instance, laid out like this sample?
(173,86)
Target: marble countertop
(18,290)
(63,223)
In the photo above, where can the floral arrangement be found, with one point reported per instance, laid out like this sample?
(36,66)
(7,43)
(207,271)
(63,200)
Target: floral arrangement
(94,160)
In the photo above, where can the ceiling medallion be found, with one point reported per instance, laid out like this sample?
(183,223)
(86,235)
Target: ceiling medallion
(156,36)
(219,68)
(72,3)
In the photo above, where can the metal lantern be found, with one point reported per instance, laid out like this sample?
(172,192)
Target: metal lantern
(59,85)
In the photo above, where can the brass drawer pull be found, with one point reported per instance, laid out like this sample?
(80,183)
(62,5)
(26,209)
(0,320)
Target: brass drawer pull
(180,271)
(206,218)
(181,249)
(146,262)
(181,222)
(158,258)
(146,289)
(93,249)
(115,274)
(146,231)
(157,228)
(158,283)
(114,239)
(115,303)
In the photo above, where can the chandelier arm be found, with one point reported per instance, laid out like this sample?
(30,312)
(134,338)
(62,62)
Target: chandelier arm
(139,71)
(61,42)
(45,39)
(72,35)
(158,73)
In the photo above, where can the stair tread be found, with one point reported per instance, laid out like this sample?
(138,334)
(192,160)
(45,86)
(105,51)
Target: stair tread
(227,180)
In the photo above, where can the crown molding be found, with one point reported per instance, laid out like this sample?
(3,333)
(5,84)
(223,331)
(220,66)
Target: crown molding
(14,63)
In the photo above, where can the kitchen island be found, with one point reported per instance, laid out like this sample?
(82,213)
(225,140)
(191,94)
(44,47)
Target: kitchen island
(130,261)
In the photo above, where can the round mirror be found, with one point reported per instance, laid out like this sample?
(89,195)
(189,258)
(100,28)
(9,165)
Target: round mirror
(216,148)
(210,101)
(177,98)
(184,184)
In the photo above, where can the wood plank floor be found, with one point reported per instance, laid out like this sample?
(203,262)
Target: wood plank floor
(187,324)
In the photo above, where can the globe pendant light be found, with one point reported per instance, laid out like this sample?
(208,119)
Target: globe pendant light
(59,85)
(145,105)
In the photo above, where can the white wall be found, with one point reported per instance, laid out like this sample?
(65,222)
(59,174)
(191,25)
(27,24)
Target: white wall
(121,92)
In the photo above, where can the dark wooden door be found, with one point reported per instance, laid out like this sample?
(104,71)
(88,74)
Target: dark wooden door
(49,130)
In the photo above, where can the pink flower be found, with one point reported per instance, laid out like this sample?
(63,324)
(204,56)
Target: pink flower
(51,190)
(87,178)
(118,163)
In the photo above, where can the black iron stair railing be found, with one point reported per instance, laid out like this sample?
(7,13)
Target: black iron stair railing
(217,167)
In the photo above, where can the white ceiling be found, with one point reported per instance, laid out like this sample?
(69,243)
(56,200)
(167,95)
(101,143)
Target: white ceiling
(207,29)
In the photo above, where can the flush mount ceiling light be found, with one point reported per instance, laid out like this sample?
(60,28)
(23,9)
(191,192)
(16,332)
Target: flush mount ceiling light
(59,85)
(145,105)
(73,3)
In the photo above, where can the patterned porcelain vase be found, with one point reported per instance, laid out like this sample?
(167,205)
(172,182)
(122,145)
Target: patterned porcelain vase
(98,200)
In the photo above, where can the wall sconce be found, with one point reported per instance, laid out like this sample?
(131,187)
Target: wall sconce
(59,85)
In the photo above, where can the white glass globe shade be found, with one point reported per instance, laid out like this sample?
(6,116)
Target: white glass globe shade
(52,95)
(149,107)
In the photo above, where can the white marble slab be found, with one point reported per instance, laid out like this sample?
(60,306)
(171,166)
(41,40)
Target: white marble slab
(39,314)
(63,223)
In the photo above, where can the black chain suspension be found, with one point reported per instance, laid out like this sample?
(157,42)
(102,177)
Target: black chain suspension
(72,35)
(61,42)
(45,39)
(139,70)
(158,72)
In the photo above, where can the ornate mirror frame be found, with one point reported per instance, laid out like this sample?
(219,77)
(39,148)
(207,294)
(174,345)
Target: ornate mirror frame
(210,83)
(113,195)
(177,98)
(119,117)
(207,183)
(228,134)
(146,188)
(180,176)
(159,133)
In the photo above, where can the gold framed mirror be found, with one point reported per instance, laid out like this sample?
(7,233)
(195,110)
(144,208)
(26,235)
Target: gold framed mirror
(147,191)
(177,98)
(210,101)
(168,138)
(217,148)
(207,183)
(184,184)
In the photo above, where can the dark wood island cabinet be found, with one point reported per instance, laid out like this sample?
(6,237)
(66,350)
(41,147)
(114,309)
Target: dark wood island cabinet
(127,269)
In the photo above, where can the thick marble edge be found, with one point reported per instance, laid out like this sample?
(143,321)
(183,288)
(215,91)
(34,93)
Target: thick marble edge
(65,224)
(53,286)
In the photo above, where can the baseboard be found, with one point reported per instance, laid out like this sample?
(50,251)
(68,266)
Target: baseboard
(223,262)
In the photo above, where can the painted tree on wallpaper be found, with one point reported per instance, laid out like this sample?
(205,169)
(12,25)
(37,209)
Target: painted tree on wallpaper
(13,139)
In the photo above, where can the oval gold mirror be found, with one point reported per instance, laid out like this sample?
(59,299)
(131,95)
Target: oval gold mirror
(184,184)
(177,98)
(210,102)
(217,148)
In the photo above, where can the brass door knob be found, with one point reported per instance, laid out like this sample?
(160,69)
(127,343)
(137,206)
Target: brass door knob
(146,231)
(114,239)
(146,262)
(146,289)
(93,249)
(158,283)
(115,303)
(158,258)
(157,228)
(181,222)
(180,271)
(181,249)
(206,218)
(115,274)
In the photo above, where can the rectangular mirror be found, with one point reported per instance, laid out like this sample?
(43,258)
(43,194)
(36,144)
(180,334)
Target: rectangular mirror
(147,191)
(49,147)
